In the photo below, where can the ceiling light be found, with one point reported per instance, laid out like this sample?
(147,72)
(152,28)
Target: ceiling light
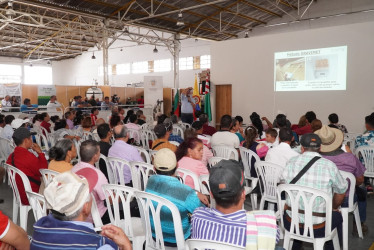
(30,64)
(180,19)
(84,39)
(121,49)
(49,62)
(155,50)
(126,30)
(93,56)
(196,40)
(246,34)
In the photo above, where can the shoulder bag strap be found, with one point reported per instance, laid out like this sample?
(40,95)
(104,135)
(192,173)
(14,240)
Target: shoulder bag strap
(158,144)
(305,169)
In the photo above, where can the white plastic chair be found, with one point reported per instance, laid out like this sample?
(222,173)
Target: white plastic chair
(251,182)
(185,173)
(42,141)
(144,154)
(141,172)
(145,126)
(194,244)
(104,158)
(270,175)
(48,175)
(150,205)
(116,167)
(134,133)
(352,208)
(175,143)
(38,204)
(214,160)
(78,147)
(147,135)
(96,214)
(17,204)
(367,153)
(6,148)
(306,196)
(152,154)
(205,188)
(47,135)
(185,125)
(132,226)
(226,152)
(178,131)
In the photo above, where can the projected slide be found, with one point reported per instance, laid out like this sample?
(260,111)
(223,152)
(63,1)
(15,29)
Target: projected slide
(310,70)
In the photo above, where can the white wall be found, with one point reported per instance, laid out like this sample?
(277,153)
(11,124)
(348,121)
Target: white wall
(248,64)
(82,69)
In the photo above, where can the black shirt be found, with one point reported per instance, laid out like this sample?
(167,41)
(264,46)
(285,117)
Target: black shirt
(104,149)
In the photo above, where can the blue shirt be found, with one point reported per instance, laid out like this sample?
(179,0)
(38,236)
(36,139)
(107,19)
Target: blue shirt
(25,108)
(181,195)
(176,138)
(186,107)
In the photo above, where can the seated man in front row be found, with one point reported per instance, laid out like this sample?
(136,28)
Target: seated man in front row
(167,185)
(68,197)
(322,175)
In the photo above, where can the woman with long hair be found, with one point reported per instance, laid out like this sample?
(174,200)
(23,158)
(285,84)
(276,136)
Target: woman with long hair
(62,154)
(189,155)
(250,143)
(257,123)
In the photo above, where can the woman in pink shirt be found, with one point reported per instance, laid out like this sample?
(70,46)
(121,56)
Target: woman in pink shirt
(189,155)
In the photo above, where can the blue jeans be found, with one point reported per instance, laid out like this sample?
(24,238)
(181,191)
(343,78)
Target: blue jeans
(361,207)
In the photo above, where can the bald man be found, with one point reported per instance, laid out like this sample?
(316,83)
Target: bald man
(121,149)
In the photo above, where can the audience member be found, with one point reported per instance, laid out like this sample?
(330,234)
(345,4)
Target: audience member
(7,131)
(141,117)
(169,127)
(79,103)
(189,155)
(121,149)
(226,183)
(45,121)
(141,102)
(2,122)
(281,121)
(127,117)
(307,128)
(53,105)
(198,127)
(191,133)
(334,120)
(12,236)
(250,143)
(28,107)
(161,118)
(322,175)
(271,137)
(105,134)
(283,152)
(86,129)
(257,123)
(62,131)
(163,135)
(207,130)
(92,101)
(94,114)
(5,103)
(61,155)
(332,140)
(237,129)
(26,161)
(121,112)
(17,123)
(15,103)
(90,154)
(187,105)
(115,120)
(133,125)
(69,200)
(106,104)
(69,116)
(302,123)
(224,137)
(166,185)
(316,125)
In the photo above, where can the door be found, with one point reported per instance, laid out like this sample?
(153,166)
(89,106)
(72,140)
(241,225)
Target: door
(223,102)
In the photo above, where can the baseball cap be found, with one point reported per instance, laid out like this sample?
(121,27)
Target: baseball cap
(67,193)
(23,116)
(310,141)
(22,133)
(16,123)
(226,179)
(165,160)
(160,130)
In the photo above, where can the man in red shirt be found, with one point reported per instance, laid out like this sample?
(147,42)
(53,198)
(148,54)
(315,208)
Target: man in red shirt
(11,235)
(207,130)
(26,161)
(310,116)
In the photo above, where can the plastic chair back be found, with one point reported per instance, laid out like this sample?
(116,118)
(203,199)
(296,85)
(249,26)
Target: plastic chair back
(141,173)
(144,154)
(96,214)
(150,205)
(214,160)
(42,141)
(247,155)
(104,158)
(38,204)
(205,188)
(135,134)
(185,125)
(194,244)
(178,131)
(184,174)
(367,153)
(6,148)
(48,175)
(175,143)
(225,152)
(78,147)
(116,168)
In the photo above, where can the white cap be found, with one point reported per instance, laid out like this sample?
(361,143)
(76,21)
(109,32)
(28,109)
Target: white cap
(16,123)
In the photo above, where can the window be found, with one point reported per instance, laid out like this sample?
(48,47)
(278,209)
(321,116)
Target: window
(205,62)
(162,65)
(101,70)
(123,69)
(186,63)
(39,75)
(140,67)
(10,73)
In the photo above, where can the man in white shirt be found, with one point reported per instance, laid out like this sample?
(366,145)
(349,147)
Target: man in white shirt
(283,152)
(6,103)
(53,104)
(224,137)
(7,131)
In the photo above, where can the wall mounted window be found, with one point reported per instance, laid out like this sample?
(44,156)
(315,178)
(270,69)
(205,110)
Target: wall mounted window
(40,75)
(186,63)
(140,67)
(101,70)
(163,65)
(205,62)
(10,73)
(123,69)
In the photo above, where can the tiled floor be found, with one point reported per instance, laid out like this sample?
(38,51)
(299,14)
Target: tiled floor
(354,242)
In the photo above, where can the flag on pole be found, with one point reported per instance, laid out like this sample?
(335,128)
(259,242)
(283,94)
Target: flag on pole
(207,84)
(195,87)
(176,103)
(196,95)
(207,108)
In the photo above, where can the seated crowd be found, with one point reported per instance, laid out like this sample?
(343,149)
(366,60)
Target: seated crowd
(81,139)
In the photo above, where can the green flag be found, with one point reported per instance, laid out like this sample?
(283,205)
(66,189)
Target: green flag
(176,103)
(207,108)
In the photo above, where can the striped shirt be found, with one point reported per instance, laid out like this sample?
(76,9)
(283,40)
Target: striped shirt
(211,224)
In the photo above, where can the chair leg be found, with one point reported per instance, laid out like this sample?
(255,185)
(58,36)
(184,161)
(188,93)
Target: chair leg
(358,222)
(286,240)
(319,243)
(336,243)
(137,242)
(254,201)
(15,210)
(262,203)
(345,228)
(271,206)
(24,211)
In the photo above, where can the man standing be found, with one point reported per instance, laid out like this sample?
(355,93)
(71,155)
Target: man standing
(187,105)
(322,175)
(53,104)
(6,103)
(121,149)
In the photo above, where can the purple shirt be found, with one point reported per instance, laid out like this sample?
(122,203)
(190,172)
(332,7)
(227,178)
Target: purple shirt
(70,123)
(122,150)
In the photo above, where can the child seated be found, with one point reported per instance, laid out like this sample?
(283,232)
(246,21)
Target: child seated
(271,137)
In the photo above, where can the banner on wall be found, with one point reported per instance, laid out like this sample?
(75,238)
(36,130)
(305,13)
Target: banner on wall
(153,92)
(45,93)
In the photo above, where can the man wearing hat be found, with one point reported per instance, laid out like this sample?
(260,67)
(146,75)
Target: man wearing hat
(17,123)
(322,175)
(332,140)
(26,161)
(163,132)
(69,200)
(167,185)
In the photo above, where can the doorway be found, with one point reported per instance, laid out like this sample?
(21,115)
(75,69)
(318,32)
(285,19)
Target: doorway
(223,102)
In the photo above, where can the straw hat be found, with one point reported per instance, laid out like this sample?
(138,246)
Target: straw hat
(331,138)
